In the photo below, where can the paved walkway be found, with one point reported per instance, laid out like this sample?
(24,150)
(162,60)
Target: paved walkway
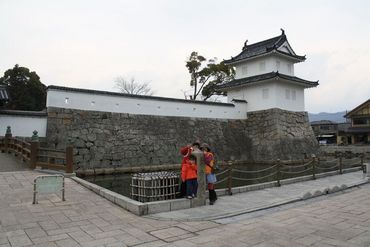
(86,219)
(9,163)
(227,206)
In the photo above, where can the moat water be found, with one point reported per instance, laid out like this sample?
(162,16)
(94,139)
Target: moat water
(121,183)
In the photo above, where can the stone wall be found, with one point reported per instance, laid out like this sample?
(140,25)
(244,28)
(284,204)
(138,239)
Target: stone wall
(103,139)
(280,134)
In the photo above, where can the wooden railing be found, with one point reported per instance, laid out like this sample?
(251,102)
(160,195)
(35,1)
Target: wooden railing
(36,156)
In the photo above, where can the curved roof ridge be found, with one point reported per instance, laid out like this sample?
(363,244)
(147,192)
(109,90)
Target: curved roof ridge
(263,47)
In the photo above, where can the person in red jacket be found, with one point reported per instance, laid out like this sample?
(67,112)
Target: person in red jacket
(189,175)
(185,152)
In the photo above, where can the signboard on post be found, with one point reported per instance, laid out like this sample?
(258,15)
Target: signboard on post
(48,184)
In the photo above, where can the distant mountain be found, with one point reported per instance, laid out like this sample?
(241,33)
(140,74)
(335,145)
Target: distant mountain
(335,117)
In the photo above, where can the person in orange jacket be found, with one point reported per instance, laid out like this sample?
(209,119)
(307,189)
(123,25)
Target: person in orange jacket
(185,152)
(189,175)
(210,176)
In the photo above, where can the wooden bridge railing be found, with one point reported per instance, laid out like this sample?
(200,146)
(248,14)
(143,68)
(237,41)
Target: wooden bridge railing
(36,156)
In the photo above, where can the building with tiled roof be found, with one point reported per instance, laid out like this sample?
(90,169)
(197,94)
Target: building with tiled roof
(359,131)
(264,76)
(4,96)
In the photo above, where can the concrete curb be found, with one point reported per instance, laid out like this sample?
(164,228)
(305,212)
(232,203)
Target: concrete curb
(305,196)
(148,208)
(133,206)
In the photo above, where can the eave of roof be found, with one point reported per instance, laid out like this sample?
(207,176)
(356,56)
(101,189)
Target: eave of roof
(264,77)
(97,92)
(356,109)
(296,58)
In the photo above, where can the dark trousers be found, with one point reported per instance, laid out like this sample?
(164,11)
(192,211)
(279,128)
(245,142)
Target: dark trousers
(183,188)
(191,187)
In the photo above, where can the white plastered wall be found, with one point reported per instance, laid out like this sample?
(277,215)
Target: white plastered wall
(146,106)
(23,126)
(275,97)
(254,66)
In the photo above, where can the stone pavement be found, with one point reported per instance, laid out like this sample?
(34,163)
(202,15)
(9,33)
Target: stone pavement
(86,219)
(228,206)
(9,163)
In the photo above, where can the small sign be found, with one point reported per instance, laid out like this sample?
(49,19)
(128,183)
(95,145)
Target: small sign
(48,184)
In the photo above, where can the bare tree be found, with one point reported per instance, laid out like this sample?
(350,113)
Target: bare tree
(133,87)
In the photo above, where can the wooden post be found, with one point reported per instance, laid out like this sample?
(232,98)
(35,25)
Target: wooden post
(278,174)
(22,151)
(340,164)
(34,149)
(230,177)
(313,167)
(8,137)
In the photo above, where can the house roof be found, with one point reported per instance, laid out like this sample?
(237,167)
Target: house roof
(323,122)
(3,94)
(265,47)
(349,114)
(264,77)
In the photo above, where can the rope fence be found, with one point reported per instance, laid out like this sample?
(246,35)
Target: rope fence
(297,166)
(258,171)
(296,172)
(259,178)
(234,175)
(327,168)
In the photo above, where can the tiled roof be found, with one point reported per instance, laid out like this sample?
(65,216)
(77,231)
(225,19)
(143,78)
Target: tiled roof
(323,122)
(264,77)
(349,114)
(3,94)
(264,47)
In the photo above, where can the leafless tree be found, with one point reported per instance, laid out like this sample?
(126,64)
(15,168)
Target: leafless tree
(133,87)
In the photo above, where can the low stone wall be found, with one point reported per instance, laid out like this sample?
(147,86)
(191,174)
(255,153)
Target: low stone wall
(105,140)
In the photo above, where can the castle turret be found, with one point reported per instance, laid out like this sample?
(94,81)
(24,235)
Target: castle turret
(265,76)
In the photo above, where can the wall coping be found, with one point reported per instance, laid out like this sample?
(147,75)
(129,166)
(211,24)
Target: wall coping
(24,113)
(98,92)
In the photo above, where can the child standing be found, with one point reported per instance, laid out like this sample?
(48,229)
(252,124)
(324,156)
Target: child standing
(189,175)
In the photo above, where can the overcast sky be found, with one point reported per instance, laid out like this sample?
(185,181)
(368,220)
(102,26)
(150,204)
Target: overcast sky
(88,43)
